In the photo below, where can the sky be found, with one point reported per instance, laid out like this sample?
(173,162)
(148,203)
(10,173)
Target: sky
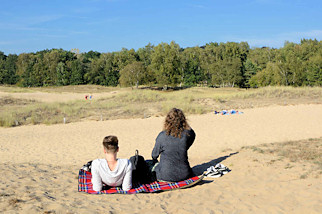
(110,25)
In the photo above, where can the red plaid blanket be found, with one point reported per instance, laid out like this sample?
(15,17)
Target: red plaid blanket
(85,185)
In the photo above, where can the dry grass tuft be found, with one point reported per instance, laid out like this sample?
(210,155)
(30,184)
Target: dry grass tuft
(14,202)
(9,101)
(49,211)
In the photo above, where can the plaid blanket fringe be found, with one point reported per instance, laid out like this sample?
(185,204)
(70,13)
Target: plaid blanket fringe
(85,185)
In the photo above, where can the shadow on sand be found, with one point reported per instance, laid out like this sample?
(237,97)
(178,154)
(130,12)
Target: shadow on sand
(199,169)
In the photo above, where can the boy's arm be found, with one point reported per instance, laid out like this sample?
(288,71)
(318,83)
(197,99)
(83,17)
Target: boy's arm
(127,181)
(96,178)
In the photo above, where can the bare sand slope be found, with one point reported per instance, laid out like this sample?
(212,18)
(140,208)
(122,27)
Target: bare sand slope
(77,142)
(40,165)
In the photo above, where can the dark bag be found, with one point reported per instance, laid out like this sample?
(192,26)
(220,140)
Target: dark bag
(88,166)
(140,170)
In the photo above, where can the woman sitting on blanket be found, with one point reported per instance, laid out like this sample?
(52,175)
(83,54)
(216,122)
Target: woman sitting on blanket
(111,170)
(173,144)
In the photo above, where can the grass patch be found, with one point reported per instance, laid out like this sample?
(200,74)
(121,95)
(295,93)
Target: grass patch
(281,92)
(288,166)
(309,150)
(9,101)
(303,150)
(303,176)
(59,89)
(15,89)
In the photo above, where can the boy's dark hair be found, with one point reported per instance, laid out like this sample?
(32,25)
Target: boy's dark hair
(111,144)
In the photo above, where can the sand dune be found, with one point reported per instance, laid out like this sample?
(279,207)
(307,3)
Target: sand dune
(40,165)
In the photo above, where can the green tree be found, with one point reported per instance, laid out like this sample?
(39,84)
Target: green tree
(111,70)
(250,70)
(133,74)
(63,74)
(223,63)
(314,72)
(95,75)
(38,74)
(227,72)
(166,64)
(191,65)
(104,71)
(261,56)
(210,54)
(3,71)
(271,75)
(144,54)
(25,64)
(77,73)
(11,68)
(124,57)
(50,62)
(90,56)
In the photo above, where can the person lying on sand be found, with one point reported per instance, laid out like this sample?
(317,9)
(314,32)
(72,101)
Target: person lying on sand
(172,144)
(111,171)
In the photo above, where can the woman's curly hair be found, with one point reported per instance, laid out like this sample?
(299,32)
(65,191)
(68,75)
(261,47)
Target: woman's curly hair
(175,123)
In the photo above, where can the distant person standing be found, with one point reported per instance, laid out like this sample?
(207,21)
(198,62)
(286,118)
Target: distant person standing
(172,146)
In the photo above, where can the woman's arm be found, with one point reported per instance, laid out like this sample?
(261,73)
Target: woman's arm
(157,148)
(191,138)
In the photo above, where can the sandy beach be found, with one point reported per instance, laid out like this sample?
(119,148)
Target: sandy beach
(40,165)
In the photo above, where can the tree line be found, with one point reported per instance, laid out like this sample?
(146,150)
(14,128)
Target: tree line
(228,64)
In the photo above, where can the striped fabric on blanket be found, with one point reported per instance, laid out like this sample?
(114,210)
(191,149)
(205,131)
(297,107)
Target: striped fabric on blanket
(85,185)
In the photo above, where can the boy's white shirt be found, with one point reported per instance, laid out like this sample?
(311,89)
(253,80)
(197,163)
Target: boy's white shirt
(120,176)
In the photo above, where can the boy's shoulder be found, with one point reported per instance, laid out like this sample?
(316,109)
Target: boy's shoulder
(124,161)
(102,162)
(97,162)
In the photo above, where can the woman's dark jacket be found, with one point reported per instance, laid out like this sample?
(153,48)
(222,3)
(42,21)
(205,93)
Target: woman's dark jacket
(174,165)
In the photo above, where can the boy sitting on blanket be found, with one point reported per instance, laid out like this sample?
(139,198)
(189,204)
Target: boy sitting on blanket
(111,171)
